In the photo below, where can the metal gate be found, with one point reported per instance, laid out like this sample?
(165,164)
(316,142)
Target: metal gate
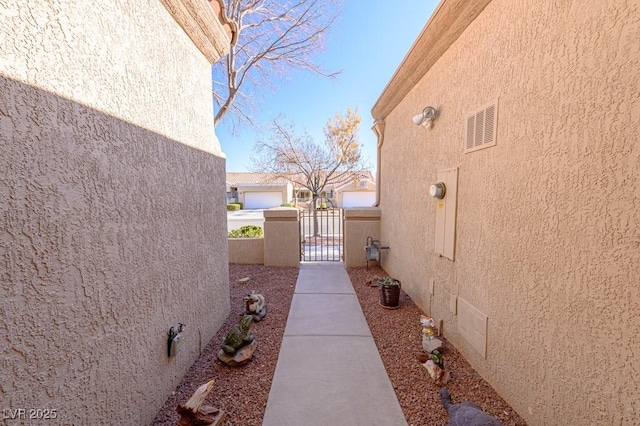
(321,235)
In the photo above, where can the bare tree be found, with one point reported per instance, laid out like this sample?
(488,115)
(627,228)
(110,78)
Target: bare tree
(308,164)
(274,37)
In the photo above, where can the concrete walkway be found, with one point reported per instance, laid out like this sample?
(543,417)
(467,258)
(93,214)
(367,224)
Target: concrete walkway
(329,371)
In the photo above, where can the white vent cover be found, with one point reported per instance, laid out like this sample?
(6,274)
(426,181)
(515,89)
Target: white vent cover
(362,183)
(481,128)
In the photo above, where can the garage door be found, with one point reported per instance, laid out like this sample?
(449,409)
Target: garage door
(262,200)
(358,199)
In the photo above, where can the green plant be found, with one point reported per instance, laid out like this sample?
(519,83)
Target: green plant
(247,231)
(233,207)
(388,281)
(286,205)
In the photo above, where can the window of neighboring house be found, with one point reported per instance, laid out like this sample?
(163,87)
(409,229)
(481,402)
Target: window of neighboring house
(304,195)
(323,194)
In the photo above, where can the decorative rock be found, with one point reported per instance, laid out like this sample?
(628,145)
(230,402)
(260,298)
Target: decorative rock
(373,282)
(206,415)
(241,357)
(430,345)
(439,376)
(193,413)
(466,413)
(422,357)
(257,317)
(244,280)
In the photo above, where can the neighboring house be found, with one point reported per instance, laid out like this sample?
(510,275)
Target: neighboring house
(531,258)
(113,218)
(266,190)
(258,190)
(356,193)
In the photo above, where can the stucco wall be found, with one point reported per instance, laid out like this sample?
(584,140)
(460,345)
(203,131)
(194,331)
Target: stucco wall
(360,223)
(548,220)
(113,215)
(281,237)
(246,251)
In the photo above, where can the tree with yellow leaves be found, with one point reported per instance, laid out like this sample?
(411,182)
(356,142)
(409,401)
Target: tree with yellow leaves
(308,164)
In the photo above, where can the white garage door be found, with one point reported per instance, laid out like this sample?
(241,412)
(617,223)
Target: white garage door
(358,199)
(262,200)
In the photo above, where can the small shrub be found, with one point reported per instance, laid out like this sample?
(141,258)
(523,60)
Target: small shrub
(247,231)
(286,205)
(388,281)
(234,206)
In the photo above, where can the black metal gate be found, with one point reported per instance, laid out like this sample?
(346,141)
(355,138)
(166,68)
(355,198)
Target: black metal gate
(321,235)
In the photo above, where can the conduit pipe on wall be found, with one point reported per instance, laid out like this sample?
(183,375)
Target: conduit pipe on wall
(378,129)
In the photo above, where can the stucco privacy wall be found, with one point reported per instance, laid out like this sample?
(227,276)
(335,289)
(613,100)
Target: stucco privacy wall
(113,216)
(246,251)
(548,220)
(281,237)
(359,224)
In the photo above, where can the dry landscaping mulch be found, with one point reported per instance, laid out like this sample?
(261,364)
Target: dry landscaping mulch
(242,392)
(398,336)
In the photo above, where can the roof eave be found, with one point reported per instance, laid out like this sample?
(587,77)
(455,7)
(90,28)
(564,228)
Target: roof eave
(206,24)
(446,24)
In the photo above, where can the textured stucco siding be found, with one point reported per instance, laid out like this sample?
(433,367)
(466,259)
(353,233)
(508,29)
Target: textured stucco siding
(281,237)
(246,251)
(112,218)
(548,220)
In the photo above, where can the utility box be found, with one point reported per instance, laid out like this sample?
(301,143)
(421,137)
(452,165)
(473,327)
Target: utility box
(446,207)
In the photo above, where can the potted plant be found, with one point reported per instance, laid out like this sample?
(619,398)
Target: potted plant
(389,292)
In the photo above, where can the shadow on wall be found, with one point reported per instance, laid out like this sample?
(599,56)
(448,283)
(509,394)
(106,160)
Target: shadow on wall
(110,235)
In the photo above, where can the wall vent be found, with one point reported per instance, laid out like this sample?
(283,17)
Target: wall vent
(481,128)
(362,183)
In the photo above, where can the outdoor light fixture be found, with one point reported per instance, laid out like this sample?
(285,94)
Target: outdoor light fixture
(425,118)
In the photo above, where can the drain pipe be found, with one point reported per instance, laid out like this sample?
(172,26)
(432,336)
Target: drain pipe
(378,129)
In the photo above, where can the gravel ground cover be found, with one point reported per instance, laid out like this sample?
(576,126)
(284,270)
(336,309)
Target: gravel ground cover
(243,392)
(398,336)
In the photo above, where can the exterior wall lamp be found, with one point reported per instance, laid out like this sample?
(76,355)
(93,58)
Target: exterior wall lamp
(425,118)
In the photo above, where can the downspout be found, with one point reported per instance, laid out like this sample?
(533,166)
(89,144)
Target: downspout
(378,129)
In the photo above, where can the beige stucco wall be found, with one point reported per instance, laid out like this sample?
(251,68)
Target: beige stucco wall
(281,237)
(246,251)
(360,223)
(548,220)
(113,215)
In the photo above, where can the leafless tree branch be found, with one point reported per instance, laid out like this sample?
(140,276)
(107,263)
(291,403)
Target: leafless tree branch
(308,164)
(274,37)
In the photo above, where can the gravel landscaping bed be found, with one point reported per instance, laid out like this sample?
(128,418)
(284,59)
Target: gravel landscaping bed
(243,392)
(398,336)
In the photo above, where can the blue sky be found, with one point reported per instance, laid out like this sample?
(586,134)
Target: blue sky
(367,44)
